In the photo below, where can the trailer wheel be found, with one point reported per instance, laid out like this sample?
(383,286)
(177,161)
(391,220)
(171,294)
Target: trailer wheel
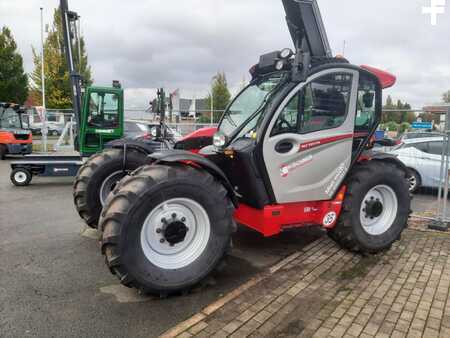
(376,208)
(98,177)
(3,151)
(166,228)
(21,177)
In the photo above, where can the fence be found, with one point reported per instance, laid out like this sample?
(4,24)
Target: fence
(59,124)
(426,155)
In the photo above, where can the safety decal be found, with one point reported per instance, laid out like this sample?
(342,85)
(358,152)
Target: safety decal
(317,143)
(329,219)
(287,168)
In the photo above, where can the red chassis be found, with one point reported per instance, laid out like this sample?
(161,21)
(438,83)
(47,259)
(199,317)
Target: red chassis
(275,218)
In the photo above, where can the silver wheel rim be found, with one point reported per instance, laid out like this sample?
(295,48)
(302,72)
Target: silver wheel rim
(160,249)
(373,220)
(108,185)
(412,181)
(20,177)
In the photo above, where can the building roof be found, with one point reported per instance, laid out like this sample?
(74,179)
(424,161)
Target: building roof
(439,108)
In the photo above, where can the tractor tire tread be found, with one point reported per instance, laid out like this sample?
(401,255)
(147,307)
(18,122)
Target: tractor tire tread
(123,197)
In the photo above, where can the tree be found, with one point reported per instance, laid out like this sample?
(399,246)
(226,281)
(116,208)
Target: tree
(446,97)
(221,95)
(13,80)
(57,80)
(400,116)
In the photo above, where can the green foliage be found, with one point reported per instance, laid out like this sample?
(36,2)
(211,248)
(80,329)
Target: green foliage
(392,126)
(397,116)
(221,95)
(57,81)
(446,97)
(13,80)
(404,127)
(205,118)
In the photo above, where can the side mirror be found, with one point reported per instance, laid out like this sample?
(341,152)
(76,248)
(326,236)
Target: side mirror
(156,132)
(368,99)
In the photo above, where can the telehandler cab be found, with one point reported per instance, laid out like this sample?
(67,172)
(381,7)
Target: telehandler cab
(292,150)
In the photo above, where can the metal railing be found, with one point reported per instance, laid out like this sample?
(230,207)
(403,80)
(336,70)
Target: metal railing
(54,129)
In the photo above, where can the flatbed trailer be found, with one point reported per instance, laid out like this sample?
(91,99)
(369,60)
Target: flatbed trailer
(60,165)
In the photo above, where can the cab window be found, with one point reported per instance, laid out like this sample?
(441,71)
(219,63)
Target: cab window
(366,104)
(103,110)
(322,104)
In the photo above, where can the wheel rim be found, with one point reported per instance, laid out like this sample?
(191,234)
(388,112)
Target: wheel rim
(378,210)
(175,233)
(109,184)
(20,177)
(412,181)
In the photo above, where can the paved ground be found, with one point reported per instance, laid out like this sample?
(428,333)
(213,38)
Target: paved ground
(325,291)
(54,282)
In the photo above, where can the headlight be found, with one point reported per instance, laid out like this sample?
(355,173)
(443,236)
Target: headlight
(279,65)
(286,53)
(219,140)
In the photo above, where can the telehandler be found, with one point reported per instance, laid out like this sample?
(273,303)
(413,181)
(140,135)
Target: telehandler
(293,149)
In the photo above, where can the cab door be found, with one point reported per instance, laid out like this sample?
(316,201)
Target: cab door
(307,148)
(102,118)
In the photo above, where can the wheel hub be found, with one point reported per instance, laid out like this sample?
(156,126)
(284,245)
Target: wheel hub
(175,232)
(379,210)
(109,184)
(374,208)
(20,177)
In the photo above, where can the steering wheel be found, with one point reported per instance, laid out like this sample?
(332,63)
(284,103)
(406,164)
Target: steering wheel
(282,123)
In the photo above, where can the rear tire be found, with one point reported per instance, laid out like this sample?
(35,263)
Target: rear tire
(21,177)
(146,213)
(376,208)
(98,177)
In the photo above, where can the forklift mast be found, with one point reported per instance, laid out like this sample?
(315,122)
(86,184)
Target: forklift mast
(68,19)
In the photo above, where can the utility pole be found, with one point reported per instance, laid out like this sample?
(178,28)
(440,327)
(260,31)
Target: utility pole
(212,107)
(44,111)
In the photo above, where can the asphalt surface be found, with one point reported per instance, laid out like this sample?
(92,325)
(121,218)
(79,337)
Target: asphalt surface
(54,283)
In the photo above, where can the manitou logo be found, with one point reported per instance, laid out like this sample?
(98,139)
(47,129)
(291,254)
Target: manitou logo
(437,7)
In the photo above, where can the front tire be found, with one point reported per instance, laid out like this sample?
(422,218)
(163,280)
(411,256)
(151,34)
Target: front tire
(376,208)
(98,177)
(166,228)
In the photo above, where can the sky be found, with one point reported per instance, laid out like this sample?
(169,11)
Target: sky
(181,44)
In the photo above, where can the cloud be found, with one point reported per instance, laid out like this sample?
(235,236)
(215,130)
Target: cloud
(181,44)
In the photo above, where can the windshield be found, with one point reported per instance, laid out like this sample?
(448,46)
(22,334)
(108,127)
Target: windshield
(9,119)
(247,107)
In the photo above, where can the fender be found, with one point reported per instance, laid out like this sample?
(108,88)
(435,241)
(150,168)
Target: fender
(380,156)
(174,156)
(142,147)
